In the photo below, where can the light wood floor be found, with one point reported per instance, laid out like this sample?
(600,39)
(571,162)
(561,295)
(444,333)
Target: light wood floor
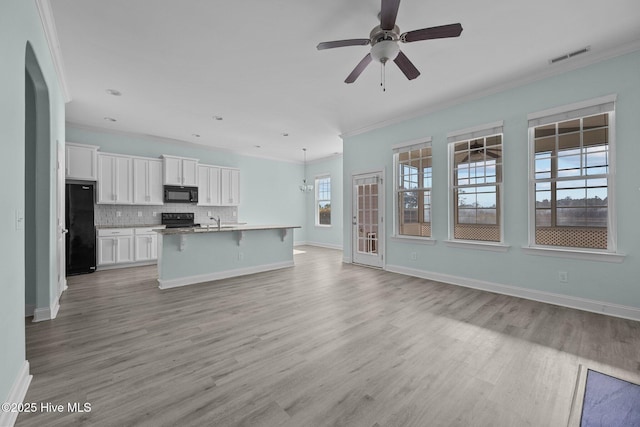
(323,343)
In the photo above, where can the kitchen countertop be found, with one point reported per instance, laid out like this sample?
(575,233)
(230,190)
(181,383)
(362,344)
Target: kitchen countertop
(214,229)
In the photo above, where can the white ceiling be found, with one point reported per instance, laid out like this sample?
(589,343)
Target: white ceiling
(255,63)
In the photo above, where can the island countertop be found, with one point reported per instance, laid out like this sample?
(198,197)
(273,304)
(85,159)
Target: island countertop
(224,228)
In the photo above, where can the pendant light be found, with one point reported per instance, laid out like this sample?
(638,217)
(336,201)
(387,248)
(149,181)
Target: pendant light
(305,188)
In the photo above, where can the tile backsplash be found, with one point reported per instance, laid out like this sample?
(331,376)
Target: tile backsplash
(143,215)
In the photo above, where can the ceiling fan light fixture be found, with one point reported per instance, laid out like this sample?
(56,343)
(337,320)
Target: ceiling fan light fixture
(385,50)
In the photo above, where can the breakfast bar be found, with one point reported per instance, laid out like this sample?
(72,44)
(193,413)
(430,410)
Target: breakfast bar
(193,255)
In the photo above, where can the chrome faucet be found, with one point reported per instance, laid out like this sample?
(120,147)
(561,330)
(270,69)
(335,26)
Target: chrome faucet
(217,220)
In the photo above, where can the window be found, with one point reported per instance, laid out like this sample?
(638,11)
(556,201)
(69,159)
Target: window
(323,201)
(413,165)
(571,167)
(476,176)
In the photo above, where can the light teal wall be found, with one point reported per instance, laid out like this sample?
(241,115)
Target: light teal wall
(325,236)
(600,281)
(20,24)
(268,188)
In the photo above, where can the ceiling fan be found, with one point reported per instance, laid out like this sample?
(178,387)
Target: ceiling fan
(384,40)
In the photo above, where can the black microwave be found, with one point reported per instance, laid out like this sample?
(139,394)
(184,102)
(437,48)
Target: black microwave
(173,194)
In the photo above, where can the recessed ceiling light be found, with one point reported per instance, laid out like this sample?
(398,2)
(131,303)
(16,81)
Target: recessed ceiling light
(110,119)
(258,146)
(114,92)
(217,117)
(196,135)
(285,134)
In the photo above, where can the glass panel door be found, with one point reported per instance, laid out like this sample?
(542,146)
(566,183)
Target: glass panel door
(367,231)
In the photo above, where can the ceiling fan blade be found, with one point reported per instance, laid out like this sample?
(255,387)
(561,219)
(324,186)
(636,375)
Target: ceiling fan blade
(388,14)
(406,66)
(359,69)
(342,43)
(441,32)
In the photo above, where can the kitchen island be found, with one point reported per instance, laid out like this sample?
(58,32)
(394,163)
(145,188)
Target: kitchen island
(201,254)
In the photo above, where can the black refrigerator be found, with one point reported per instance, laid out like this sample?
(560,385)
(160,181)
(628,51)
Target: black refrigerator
(81,235)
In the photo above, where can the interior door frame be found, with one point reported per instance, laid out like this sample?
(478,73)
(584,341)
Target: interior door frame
(381,214)
(60,217)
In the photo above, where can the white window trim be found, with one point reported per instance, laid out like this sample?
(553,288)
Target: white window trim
(316,209)
(574,253)
(478,244)
(601,105)
(480,131)
(397,148)
(415,239)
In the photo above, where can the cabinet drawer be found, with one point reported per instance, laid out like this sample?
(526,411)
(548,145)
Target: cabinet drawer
(104,232)
(147,230)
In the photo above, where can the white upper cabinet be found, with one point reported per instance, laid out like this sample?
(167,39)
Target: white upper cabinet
(180,171)
(208,185)
(81,161)
(147,181)
(229,187)
(115,180)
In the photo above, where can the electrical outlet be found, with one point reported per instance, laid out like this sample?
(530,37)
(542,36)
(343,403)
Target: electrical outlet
(139,213)
(563,277)
(155,214)
(209,214)
(414,256)
(235,214)
(240,256)
(118,213)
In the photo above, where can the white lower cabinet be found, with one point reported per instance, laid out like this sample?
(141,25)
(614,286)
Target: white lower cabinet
(115,246)
(146,244)
(127,245)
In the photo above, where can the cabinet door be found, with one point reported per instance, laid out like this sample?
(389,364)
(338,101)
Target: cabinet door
(81,162)
(230,187)
(153,244)
(143,248)
(124,249)
(189,172)
(156,194)
(208,185)
(106,250)
(147,182)
(172,171)
(140,181)
(106,179)
(214,186)
(204,193)
(124,180)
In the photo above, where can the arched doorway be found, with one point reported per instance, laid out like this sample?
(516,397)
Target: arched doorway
(38,210)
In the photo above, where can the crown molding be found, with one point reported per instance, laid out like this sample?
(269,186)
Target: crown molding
(51,34)
(551,70)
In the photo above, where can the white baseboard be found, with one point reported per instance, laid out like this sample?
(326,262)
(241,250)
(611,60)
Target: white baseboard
(47,313)
(299,243)
(16,395)
(125,265)
(191,280)
(346,259)
(324,245)
(601,307)
(29,309)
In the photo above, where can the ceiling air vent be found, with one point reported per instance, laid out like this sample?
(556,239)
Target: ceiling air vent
(570,55)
